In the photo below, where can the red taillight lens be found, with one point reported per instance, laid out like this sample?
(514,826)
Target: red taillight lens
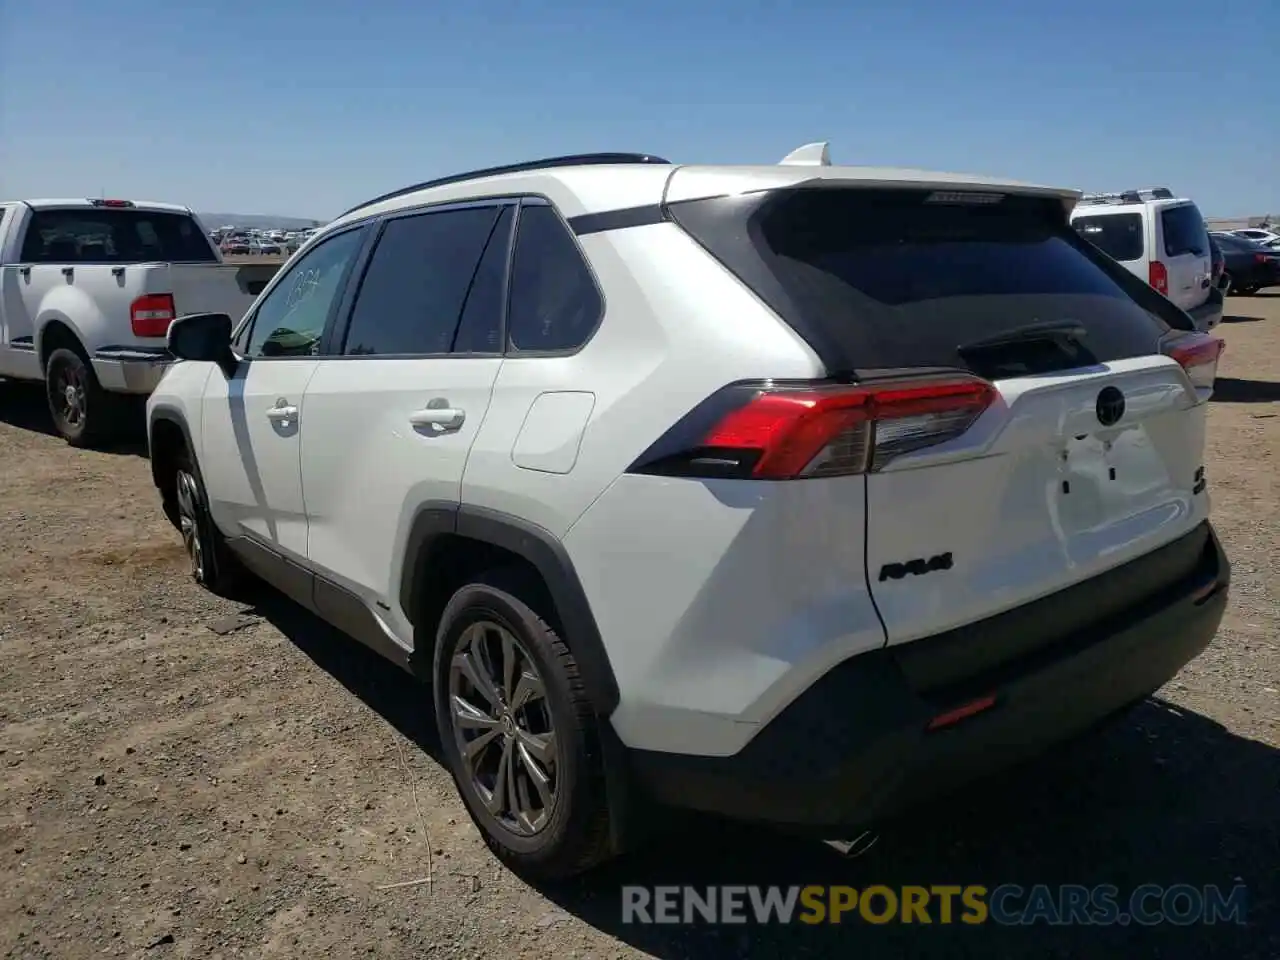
(824,431)
(1198,354)
(151,314)
(1159,277)
(1260,258)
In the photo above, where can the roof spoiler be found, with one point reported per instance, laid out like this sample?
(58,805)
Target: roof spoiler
(810,155)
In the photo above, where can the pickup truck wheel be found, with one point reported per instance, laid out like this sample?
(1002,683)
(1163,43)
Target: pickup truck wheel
(517,729)
(83,413)
(212,565)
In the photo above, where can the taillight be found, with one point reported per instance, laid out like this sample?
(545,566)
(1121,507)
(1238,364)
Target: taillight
(790,432)
(1262,258)
(1159,277)
(151,314)
(1198,354)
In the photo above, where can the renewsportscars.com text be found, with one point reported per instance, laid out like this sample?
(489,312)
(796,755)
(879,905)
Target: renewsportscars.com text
(1007,905)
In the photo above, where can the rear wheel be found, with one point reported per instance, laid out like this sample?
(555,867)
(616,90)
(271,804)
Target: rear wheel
(1245,290)
(521,739)
(83,413)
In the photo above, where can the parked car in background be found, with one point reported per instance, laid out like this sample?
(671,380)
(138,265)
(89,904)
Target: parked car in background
(1250,266)
(89,289)
(235,245)
(1159,238)
(797,493)
(270,248)
(1257,235)
(1219,266)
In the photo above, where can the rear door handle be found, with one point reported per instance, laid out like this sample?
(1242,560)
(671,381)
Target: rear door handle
(280,413)
(445,418)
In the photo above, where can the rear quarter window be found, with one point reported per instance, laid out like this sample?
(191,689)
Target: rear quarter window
(1117,235)
(891,279)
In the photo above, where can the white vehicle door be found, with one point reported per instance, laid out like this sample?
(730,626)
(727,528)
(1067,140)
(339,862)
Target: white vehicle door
(390,418)
(1182,245)
(251,417)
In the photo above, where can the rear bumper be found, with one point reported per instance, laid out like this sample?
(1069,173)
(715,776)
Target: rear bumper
(854,748)
(1209,314)
(131,369)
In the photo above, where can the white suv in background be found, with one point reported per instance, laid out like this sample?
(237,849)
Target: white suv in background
(795,493)
(1159,238)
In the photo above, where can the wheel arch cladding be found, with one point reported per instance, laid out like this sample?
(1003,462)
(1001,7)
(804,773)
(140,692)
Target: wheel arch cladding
(458,538)
(167,433)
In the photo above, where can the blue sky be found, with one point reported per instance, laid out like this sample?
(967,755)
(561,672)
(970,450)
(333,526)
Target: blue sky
(304,108)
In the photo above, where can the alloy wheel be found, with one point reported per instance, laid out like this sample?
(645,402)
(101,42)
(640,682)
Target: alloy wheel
(503,728)
(68,392)
(189,523)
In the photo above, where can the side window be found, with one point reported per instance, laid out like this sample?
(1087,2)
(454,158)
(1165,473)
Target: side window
(1119,235)
(554,302)
(412,294)
(290,320)
(114,235)
(481,327)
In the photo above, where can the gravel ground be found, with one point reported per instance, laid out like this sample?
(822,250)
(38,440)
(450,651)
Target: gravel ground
(185,776)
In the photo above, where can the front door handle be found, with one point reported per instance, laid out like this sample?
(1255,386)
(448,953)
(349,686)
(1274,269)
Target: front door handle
(282,412)
(443,418)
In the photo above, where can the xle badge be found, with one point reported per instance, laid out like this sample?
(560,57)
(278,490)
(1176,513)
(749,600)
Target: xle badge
(915,568)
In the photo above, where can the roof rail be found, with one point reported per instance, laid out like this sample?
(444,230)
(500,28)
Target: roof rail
(1129,196)
(571,160)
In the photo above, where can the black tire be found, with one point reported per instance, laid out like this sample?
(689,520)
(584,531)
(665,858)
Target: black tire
(575,834)
(212,565)
(1246,290)
(83,413)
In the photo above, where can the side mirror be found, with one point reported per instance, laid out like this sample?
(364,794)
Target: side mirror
(201,336)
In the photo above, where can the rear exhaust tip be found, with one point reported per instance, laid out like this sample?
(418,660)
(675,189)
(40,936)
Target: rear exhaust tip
(859,845)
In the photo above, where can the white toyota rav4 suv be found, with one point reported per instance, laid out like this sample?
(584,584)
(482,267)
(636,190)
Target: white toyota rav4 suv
(792,493)
(1159,238)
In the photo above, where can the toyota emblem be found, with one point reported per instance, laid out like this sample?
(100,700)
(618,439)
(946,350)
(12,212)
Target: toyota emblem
(1110,406)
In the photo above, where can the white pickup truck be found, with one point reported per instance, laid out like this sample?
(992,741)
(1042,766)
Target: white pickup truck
(88,289)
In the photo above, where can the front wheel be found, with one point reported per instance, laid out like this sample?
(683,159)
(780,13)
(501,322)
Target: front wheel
(83,413)
(211,563)
(520,736)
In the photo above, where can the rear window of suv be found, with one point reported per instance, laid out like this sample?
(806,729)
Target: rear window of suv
(1184,231)
(1118,235)
(879,279)
(113,235)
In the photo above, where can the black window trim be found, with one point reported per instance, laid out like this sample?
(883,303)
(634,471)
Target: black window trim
(331,348)
(245,327)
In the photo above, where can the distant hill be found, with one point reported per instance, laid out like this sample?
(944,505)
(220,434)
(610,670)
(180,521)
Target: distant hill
(251,221)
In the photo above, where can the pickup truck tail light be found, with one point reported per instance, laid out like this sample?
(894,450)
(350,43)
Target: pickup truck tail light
(151,314)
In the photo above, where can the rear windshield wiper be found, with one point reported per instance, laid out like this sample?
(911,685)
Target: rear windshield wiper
(1056,331)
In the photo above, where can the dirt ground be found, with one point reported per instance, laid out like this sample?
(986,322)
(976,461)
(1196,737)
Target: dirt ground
(167,790)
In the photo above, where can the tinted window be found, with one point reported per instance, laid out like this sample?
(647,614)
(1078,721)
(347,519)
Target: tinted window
(480,330)
(411,297)
(1118,236)
(1237,244)
(894,279)
(554,301)
(1184,231)
(109,235)
(290,320)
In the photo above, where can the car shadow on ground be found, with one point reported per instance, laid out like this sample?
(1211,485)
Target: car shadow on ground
(1234,390)
(1161,796)
(23,405)
(1241,318)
